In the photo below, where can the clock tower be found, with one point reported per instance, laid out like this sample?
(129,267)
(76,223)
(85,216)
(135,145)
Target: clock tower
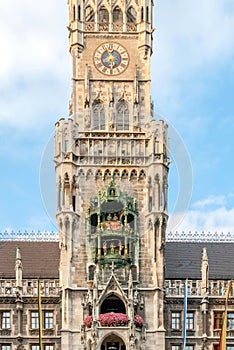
(111,161)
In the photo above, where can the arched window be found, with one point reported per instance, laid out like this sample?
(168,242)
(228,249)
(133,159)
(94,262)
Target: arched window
(117,15)
(103,15)
(113,304)
(131,15)
(98,122)
(89,14)
(142,14)
(79,13)
(122,118)
(74,13)
(147,13)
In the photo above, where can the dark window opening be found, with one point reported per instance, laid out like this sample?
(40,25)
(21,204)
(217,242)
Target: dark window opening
(113,304)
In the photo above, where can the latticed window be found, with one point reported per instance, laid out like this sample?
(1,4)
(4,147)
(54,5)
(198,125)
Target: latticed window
(218,320)
(98,117)
(34,320)
(35,347)
(190,321)
(122,119)
(175,347)
(48,320)
(5,347)
(230,320)
(5,320)
(175,320)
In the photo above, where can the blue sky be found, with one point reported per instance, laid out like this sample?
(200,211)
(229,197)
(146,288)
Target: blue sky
(192,88)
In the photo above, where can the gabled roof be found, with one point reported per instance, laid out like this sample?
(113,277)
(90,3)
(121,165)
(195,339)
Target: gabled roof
(39,259)
(183,260)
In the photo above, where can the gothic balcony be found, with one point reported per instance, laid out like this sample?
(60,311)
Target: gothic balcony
(112,319)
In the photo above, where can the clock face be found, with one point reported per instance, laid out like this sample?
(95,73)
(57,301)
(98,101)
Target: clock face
(111,58)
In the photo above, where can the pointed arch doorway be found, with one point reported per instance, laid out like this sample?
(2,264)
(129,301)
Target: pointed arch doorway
(113,342)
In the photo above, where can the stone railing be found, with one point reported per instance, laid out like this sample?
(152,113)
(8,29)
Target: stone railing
(48,288)
(199,236)
(176,287)
(216,288)
(29,236)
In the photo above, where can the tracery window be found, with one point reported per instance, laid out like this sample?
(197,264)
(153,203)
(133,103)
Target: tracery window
(117,15)
(98,117)
(103,15)
(122,118)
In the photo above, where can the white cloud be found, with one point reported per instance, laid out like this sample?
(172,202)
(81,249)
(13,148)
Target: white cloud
(219,220)
(212,214)
(216,200)
(35,63)
(190,35)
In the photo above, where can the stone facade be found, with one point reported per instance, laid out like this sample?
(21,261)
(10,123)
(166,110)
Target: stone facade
(111,282)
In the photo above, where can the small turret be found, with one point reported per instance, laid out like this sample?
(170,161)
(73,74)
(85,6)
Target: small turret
(18,269)
(204,272)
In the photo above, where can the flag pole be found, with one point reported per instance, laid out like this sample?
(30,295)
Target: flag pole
(222,341)
(39,313)
(185,312)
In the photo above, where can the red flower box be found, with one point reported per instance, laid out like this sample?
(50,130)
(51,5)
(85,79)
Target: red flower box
(112,319)
(138,320)
(88,321)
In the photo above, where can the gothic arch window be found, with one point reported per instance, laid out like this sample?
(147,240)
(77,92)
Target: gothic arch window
(113,304)
(107,174)
(81,173)
(89,174)
(91,272)
(131,15)
(74,12)
(133,175)
(79,13)
(147,13)
(124,174)
(142,14)
(103,15)
(98,122)
(98,174)
(117,15)
(116,174)
(142,175)
(89,14)
(122,117)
